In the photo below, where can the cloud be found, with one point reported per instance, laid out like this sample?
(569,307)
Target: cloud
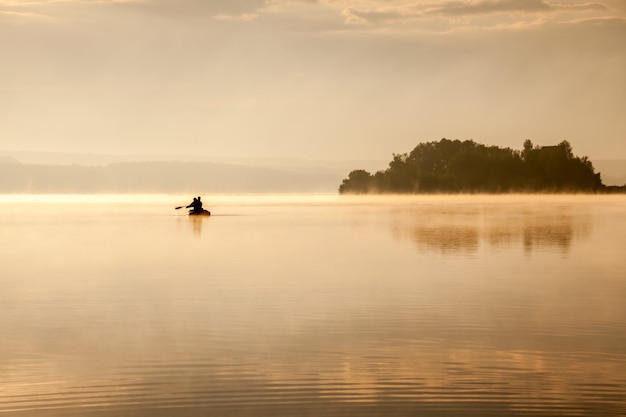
(21,14)
(43,8)
(601,21)
(15,3)
(583,6)
(513,13)
(459,8)
(245,17)
(381,15)
(206,7)
(240,10)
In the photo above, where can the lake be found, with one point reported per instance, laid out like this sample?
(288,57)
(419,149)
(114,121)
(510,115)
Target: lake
(318,305)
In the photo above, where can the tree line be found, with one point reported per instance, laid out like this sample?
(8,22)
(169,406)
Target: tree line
(454,166)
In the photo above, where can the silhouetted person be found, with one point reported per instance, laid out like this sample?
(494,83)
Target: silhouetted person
(196,205)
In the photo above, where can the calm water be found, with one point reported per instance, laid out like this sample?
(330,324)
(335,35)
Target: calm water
(320,306)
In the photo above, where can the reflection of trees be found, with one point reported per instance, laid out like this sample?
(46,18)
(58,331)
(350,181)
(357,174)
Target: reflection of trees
(447,238)
(536,228)
(548,230)
(447,231)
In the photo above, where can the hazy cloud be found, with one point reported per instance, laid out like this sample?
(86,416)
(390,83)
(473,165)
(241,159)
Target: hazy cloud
(353,12)
(340,78)
(10,13)
(45,8)
(601,21)
(246,17)
(389,12)
(381,15)
(240,10)
(206,8)
(459,8)
(14,3)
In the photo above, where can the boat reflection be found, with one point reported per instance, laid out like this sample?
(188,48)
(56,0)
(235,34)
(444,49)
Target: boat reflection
(195,223)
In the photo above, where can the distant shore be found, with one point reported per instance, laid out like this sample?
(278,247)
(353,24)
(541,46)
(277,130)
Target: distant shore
(454,166)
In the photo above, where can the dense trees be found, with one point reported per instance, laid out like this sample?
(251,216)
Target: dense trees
(467,166)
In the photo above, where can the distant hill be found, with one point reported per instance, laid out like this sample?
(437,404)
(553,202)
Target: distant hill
(282,163)
(53,172)
(85,172)
(7,160)
(62,158)
(159,177)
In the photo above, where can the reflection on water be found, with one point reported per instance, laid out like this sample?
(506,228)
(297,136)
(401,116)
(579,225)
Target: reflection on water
(311,306)
(464,229)
(196,223)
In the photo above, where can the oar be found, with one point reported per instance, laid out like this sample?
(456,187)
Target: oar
(179,207)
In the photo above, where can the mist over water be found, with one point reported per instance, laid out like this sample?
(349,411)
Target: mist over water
(313,305)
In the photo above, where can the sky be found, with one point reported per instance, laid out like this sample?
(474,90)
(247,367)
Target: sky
(316,79)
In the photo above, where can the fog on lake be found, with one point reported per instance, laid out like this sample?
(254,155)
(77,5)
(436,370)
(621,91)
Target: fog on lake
(313,305)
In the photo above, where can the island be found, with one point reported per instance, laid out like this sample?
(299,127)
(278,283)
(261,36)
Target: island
(455,166)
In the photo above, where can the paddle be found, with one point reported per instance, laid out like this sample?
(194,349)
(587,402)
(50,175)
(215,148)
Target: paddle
(179,207)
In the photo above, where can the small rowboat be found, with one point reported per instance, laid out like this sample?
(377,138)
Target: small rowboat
(200,213)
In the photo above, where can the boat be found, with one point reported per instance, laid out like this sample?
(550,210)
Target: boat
(204,212)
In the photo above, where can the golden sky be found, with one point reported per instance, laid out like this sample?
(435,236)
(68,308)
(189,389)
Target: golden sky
(319,79)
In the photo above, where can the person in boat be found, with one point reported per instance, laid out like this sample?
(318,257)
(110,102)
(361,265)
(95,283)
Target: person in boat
(196,205)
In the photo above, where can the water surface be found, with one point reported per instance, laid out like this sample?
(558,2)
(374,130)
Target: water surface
(313,305)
